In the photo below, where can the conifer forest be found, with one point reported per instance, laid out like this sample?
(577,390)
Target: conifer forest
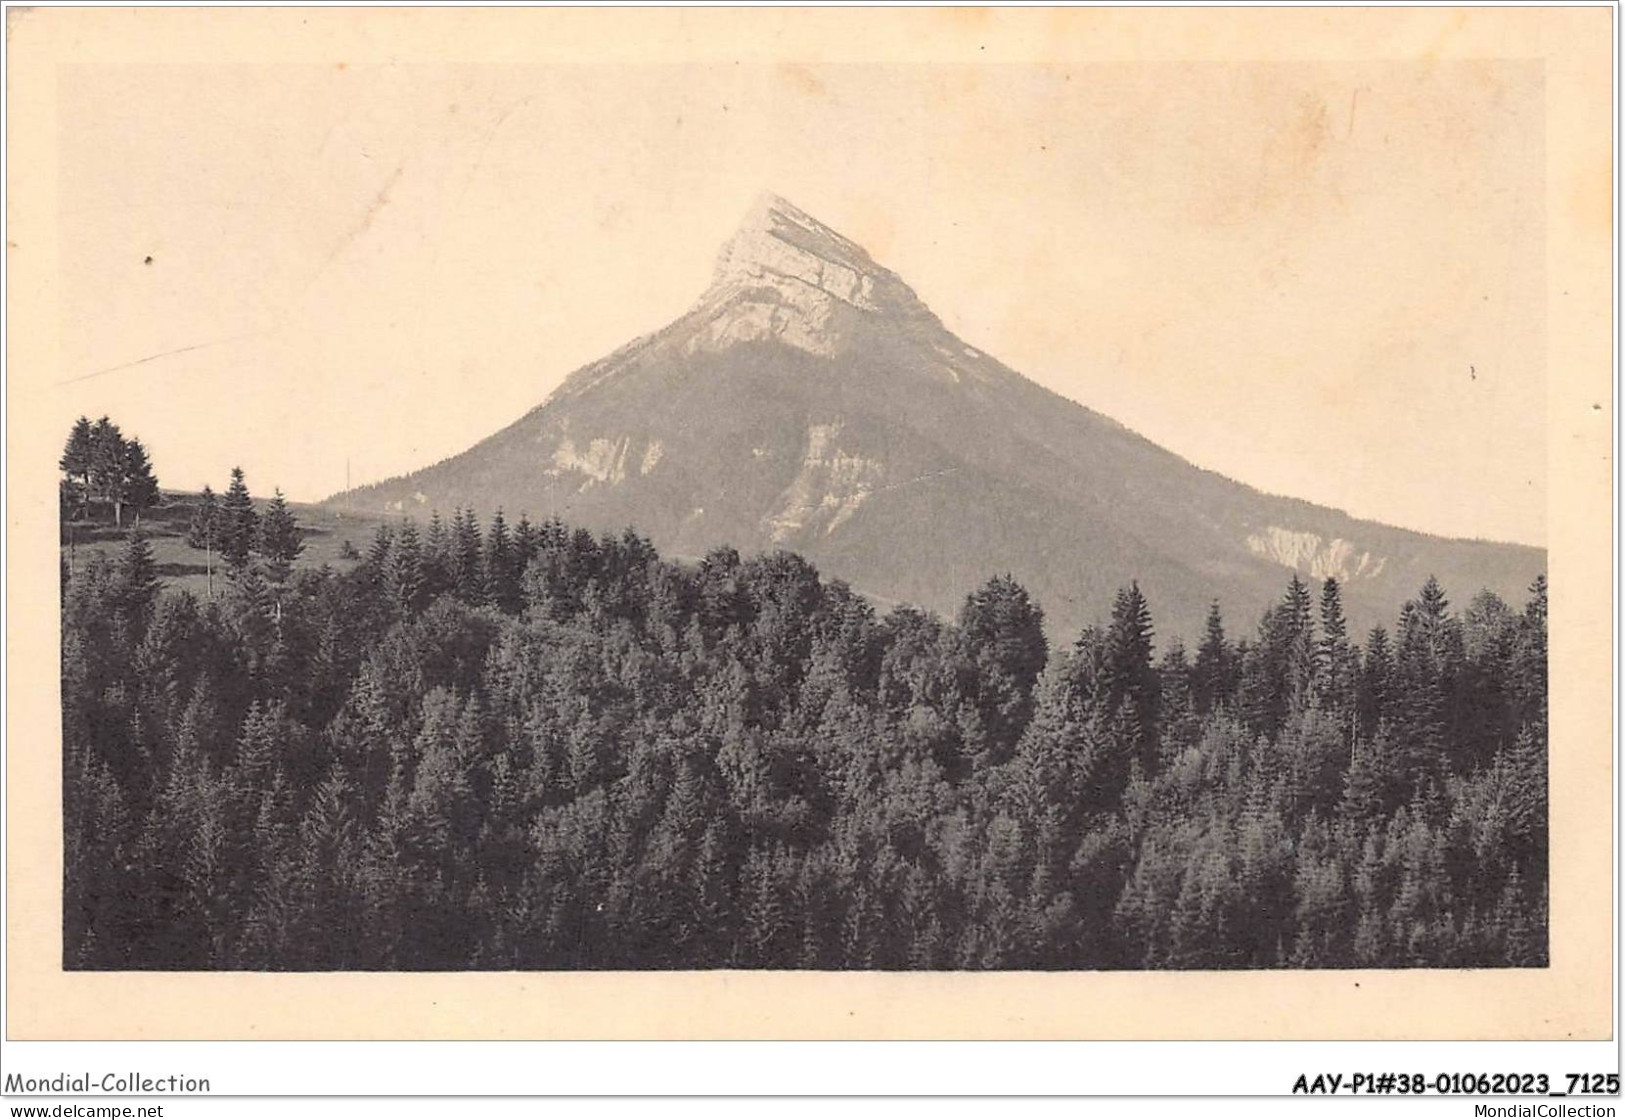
(502,745)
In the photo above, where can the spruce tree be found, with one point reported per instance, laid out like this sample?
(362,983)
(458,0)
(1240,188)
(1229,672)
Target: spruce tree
(1212,678)
(501,572)
(327,863)
(458,788)
(1427,669)
(76,460)
(376,562)
(239,524)
(525,544)
(1178,721)
(406,570)
(1528,671)
(1333,627)
(279,541)
(1363,781)
(1298,642)
(137,581)
(1432,600)
(1526,789)
(258,751)
(204,531)
(1536,608)
(140,485)
(107,466)
(467,573)
(1376,674)
(1130,679)
(1333,656)
(436,549)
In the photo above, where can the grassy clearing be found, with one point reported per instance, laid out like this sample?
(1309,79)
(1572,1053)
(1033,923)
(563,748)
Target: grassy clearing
(323,530)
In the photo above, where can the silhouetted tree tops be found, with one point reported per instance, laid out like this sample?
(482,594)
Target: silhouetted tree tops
(524,746)
(99,464)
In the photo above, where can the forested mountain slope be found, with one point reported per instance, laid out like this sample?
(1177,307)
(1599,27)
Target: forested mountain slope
(518,747)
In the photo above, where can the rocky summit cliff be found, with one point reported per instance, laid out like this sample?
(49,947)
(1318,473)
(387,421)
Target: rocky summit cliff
(810,401)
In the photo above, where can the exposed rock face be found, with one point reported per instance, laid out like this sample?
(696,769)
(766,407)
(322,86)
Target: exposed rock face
(810,401)
(1307,553)
(785,276)
(651,456)
(602,460)
(781,247)
(828,489)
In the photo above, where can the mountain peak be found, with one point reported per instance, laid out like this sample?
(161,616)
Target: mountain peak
(809,401)
(781,247)
(774,216)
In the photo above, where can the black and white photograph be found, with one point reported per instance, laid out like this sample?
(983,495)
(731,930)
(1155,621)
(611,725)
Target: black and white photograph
(716,513)
(802,633)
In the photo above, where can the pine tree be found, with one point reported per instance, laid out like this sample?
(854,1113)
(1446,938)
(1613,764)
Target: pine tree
(1363,781)
(1278,675)
(239,524)
(1180,726)
(501,569)
(140,490)
(77,459)
(1298,603)
(405,568)
(738,765)
(467,574)
(252,610)
(1131,681)
(1376,673)
(525,544)
(376,562)
(1528,669)
(1334,659)
(264,940)
(108,465)
(1298,642)
(1333,628)
(137,581)
(279,540)
(327,862)
(199,728)
(1213,676)
(385,870)
(1426,668)
(204,531)
(1526,794)
(1432,601)
(439,566)
(259,749)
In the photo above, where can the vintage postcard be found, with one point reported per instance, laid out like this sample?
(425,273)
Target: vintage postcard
(809,523)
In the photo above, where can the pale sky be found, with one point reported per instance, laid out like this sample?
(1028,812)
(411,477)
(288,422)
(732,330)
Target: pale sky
(1325,280)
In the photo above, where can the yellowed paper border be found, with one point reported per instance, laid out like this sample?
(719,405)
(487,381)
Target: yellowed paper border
(1571,999)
